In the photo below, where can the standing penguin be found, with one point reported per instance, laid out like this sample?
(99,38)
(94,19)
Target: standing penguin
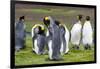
(38,39)
(54,41)
(87,34)
(65,39)
(20,34)
(76,33)
(64,35)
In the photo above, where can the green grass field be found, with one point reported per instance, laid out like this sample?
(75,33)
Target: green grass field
(64,15)
(27,57)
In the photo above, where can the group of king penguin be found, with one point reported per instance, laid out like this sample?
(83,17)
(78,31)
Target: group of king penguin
(53,37)
(82,32)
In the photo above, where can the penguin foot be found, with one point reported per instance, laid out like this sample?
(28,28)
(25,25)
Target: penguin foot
(17,49)
(33,51)
(53,59)
(73,47)
(89,47)
(66,53)
(86,47)
(57,59)
(77,47)
(45,52)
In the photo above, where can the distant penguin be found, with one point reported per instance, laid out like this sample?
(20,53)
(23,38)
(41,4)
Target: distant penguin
(64,34)
(38,39)
(54,41)
(20,34)
(87,34)
(76,33)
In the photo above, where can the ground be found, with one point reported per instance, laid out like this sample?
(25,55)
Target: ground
(34,14)
(27,57)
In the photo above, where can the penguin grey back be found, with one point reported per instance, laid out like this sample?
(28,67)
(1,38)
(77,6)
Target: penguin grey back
(56,40)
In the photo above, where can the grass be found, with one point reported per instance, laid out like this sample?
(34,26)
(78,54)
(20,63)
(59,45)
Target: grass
(27,57)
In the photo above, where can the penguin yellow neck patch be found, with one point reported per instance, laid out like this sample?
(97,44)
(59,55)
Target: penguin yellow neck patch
(38,25)
(42,28)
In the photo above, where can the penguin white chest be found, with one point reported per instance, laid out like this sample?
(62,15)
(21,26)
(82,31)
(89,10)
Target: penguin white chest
(35,46)
(76,34)
(87,33)
(50,49)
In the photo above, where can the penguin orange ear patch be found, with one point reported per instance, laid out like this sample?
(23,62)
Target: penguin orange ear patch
(78,17)
(46,18)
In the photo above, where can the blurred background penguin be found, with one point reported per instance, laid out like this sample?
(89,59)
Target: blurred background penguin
(20,33)
(76,32)
(87,34)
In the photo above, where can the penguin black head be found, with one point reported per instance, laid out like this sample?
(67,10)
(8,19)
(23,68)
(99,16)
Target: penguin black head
(87,18)
(79,17)
(46,21)
(21,18)
(41,30)
(57,22)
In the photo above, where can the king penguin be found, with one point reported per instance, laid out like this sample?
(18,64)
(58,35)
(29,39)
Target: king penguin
(64,35)
(76,33)
(38,39)
(20,34)
(87,34)
(54,41)
(65,39)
